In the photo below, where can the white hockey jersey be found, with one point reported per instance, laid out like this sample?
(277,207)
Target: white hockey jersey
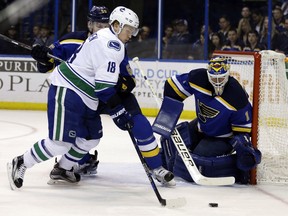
(93,68)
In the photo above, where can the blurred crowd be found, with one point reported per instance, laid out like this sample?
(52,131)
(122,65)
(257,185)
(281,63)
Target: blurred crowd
(42,35)
(249,34)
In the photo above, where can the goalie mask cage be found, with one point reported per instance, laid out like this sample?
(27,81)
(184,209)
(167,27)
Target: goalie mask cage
(263,75)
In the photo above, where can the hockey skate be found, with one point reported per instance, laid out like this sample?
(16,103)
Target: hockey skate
(165,177)
(16,171)
(61,176)
(88,168)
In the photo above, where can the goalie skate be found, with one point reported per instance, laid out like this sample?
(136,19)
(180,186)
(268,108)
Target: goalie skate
(165,177)
(61,176)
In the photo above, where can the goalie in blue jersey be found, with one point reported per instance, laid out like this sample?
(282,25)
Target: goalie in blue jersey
(219,137)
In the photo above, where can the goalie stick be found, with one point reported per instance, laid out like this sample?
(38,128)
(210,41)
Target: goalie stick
(185,155)
(26,46)
(171,203)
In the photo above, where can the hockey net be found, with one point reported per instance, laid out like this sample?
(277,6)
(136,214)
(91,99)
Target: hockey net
(263,76)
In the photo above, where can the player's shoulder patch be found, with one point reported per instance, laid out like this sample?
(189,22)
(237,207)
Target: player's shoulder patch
(113,44)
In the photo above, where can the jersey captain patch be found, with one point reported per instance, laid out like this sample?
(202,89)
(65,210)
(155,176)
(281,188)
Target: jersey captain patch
(114,45)
(206,112)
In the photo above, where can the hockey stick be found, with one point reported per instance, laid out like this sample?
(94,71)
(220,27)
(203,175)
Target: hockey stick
(183,151)
(25,46)
(171,203)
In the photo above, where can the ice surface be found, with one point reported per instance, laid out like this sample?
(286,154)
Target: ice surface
(121,186)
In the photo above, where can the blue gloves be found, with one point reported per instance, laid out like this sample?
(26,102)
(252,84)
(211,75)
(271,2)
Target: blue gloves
(121,117)
(247,156)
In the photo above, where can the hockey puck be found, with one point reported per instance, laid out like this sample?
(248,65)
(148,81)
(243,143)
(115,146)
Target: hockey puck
(213,204)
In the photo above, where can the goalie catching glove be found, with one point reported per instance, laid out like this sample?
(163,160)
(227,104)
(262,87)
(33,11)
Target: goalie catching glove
(247,156)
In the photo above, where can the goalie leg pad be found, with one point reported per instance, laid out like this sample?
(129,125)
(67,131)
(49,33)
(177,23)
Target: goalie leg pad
(168,148)
(167,117)
(212,147)
(221,166)
(168,153)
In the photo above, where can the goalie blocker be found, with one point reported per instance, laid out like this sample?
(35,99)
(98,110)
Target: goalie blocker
(221,166)
(167,117)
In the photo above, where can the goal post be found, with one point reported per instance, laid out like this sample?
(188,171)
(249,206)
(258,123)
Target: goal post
(263,75)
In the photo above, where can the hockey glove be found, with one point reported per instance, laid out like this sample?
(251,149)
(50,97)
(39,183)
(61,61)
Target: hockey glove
(45,68)
(39,53)
(121,117)
(247,156)
(125,84)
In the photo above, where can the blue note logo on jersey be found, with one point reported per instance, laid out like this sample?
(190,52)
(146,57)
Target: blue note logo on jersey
(114,45)
(205,112)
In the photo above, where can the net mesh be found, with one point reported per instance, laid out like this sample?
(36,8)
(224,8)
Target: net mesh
(273,117)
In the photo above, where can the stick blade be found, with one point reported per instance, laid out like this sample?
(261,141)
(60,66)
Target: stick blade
(175,203)
(219,181)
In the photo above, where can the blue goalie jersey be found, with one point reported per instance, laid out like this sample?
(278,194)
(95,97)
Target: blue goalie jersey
(66,46)
(218,116)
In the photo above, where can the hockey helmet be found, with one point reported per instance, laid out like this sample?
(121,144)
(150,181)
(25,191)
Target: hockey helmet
(98,14)
(125,16)
(218,73)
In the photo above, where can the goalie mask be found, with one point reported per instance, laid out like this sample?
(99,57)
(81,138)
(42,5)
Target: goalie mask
(218,74)
(125,16)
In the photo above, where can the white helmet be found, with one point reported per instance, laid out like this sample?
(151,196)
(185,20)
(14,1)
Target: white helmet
(125,16)
(218,73)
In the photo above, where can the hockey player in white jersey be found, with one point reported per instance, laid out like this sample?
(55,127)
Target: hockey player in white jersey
(77,85)
(97,18)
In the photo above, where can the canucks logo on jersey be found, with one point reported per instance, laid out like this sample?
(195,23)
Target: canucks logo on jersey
(114,45)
